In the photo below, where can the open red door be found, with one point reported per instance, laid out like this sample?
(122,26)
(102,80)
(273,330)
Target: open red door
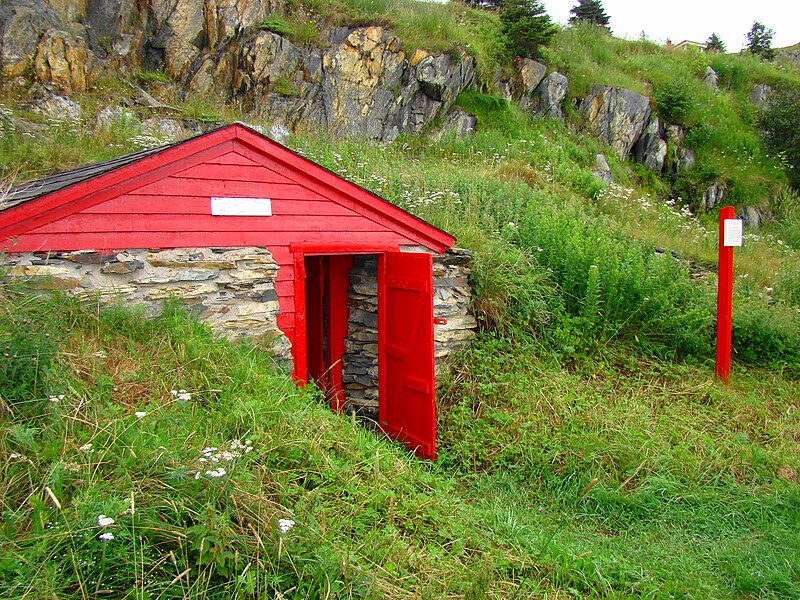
(407,387)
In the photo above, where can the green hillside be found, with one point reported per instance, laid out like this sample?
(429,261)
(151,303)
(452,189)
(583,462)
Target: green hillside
(585,447)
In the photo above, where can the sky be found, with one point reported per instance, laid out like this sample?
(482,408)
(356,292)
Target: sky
(694,20)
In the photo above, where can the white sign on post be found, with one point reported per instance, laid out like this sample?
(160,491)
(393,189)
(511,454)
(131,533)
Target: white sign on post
(733,231)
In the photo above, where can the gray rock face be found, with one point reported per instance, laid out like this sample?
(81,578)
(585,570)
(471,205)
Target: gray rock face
(22,23)
(710,78)
(760,94)
(457,123)
(62,59)
(651,147)
(713,196)
(361,84)
(616,115)
(549,95)
(753,216)
(528,74)
(601,170)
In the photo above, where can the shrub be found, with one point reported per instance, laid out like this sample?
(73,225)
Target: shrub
(781,127)
(674,100)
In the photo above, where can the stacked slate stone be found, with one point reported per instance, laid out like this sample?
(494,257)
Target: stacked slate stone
(230,289)
(360,360)
(451,299)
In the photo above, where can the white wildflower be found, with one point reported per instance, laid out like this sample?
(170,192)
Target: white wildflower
(220,472)
(106,537)
(284,525)
(140,414)
(104,521)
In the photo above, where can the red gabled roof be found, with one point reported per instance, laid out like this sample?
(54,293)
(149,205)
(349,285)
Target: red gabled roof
(36,204)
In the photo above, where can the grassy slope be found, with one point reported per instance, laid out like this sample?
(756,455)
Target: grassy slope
(649,481)
(585,447)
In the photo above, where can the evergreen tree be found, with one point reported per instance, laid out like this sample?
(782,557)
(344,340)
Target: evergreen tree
(759,41)
(526,26)
(714,44)
(589,11)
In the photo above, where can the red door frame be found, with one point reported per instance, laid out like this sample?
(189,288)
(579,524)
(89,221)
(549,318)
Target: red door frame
(299,251)
(300,346)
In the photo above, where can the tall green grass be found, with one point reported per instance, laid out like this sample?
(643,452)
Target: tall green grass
(618,478)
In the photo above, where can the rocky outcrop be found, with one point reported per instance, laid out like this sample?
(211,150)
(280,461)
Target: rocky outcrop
(21,26)
(710,78)
(651,147)
(533,92)
(713,196)
(616,115)
(601,169)
(528,74)
(760,94)
(457,123)
(62,59)
(549,95)
(357,83)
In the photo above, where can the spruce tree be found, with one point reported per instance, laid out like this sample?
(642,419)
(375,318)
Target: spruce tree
(759,41)
(714,44)
(589,11)
(526,26)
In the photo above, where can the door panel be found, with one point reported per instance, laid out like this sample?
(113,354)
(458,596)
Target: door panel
(407,404)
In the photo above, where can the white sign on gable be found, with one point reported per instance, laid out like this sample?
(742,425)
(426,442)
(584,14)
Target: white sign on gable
(732,232)
(241,207)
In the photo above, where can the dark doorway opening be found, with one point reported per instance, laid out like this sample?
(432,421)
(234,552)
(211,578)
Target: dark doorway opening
(327,281)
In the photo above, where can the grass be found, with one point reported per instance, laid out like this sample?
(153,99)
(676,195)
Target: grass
(585,448)
(622,477)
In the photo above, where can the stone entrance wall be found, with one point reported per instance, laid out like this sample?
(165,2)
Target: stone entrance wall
(451,298)
(230,289)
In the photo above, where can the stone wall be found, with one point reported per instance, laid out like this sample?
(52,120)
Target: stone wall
(230,289)
(360,360)
(451,298)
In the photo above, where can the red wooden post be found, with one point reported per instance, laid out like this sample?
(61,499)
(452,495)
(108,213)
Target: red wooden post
(724,299)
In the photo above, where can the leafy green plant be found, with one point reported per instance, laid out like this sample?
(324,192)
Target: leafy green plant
(674,100)
(277,24)
(778,121)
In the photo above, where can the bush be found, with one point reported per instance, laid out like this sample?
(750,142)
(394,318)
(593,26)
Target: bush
(781,127)
(614,287)
(765,334)
(674,100)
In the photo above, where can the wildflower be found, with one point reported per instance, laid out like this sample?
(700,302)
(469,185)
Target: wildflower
(54,399)
(140,414)
(104,521)
(86,448)
(181,394)
(219,472)
(284,525)
(106,537)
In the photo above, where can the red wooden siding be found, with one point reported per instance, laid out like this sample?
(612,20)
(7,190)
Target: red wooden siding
(163,201)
